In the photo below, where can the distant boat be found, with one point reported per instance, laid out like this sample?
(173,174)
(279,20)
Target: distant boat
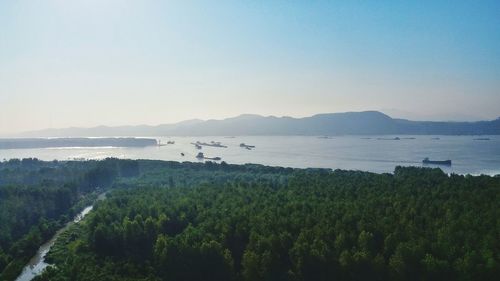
(182,153)
(196,145)
(437,162)
(202,156)
(212,144)
(249,147)
(435,138)
(396,138)
(214,158)
(171,142)
(482,139)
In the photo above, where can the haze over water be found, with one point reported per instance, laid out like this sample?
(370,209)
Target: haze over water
(469,156)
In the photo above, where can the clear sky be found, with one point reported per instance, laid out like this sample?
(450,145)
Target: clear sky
(117,62)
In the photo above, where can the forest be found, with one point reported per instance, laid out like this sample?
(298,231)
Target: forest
(37,198)
(194,221)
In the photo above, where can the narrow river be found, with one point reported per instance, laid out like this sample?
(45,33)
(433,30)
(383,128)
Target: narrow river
(37,263)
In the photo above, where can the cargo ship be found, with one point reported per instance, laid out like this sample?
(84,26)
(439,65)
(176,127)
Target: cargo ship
(201,156)
(437,162)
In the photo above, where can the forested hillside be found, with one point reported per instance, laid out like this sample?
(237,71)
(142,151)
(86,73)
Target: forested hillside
(225,222)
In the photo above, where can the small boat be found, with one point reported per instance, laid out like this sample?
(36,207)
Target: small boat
(249,147)
(437,162)
(201,156)
(212,144)
(214,158)
(196,145)
(482,139)
(182,153)
(171,142)
(435,138)
(396,138)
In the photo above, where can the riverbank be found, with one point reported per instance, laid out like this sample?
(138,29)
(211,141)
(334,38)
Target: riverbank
(38,262)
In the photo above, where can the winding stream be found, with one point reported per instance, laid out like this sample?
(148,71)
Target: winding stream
(37,263)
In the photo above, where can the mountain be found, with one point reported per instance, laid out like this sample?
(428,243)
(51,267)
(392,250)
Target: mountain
(348,123)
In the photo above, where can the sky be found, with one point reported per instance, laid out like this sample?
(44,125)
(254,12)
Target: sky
(121,62)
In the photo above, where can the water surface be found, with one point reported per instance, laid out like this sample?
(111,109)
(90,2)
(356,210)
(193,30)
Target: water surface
(368,153)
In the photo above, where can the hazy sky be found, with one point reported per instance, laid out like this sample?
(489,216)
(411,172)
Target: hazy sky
(92,62)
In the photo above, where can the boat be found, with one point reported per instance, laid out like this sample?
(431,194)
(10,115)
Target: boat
(201,156)
(213,158)
(435,138)
(249,147)
(396,138)
(182,153)
(196,145)
(482,139)
(212,144)
(171,142)
(436,162)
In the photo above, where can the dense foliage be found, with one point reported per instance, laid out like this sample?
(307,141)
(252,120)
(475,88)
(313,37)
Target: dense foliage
(37,198)
(224,222)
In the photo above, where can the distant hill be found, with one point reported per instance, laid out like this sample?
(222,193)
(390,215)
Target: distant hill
(348,123)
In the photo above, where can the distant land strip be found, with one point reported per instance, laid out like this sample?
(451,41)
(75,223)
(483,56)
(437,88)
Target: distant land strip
(20,143)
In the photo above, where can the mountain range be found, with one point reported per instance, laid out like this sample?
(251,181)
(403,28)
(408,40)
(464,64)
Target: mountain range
(348,123)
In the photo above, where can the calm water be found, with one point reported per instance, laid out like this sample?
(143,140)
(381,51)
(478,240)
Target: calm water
(345,152)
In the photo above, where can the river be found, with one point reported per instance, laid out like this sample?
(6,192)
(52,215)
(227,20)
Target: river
(37,263)
(378,154)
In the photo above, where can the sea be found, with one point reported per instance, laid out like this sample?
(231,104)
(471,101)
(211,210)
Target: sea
(380,154)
